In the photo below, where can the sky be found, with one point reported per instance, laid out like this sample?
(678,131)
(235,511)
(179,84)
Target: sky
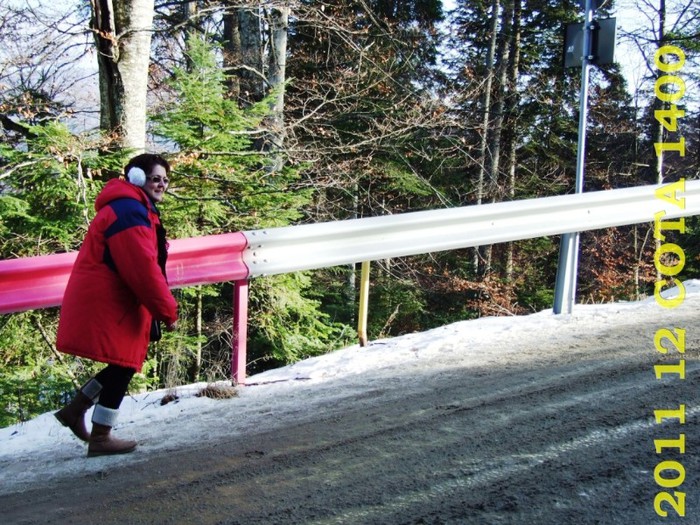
(43,449)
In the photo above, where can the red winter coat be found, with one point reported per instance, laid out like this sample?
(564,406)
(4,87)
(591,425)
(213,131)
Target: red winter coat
(117,285)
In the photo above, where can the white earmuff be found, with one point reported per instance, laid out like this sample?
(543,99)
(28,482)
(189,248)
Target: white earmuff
(136,176)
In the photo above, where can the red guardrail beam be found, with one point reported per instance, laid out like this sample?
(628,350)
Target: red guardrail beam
(34,282)
(207,260)
(29,283)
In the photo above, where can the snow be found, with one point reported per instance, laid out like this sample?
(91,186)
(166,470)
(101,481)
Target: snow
(41,449)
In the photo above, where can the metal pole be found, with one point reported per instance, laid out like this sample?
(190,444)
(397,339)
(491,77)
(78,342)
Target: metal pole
(565,289)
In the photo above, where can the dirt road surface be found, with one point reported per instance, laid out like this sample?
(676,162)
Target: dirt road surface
(559,429)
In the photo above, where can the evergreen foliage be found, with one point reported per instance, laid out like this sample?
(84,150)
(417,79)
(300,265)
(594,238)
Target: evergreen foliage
(221,183)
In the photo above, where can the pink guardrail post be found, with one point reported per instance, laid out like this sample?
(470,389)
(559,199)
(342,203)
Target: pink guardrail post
(240,331)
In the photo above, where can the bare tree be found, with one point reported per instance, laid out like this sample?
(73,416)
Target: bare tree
(665,22)
(44,67)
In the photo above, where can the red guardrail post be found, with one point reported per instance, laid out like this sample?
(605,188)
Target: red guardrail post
(240,331)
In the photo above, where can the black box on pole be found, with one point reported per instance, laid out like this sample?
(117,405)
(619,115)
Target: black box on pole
(603,38)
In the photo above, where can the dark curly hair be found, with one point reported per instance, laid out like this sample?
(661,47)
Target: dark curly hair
(146,161)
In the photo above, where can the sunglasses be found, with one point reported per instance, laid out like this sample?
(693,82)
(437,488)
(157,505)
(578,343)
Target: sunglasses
(158,180)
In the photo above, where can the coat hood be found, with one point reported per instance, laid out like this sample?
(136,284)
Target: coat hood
(120,189)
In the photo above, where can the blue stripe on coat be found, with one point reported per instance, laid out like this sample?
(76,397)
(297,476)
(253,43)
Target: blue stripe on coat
(130,213)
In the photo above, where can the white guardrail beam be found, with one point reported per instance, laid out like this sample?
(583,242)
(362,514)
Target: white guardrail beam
(312,246)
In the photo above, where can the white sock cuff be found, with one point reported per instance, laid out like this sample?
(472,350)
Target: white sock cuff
(105,416)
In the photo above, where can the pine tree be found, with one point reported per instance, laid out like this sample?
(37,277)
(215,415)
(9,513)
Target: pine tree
(221,183)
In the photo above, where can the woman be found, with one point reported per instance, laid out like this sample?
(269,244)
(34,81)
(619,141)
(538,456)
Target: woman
(116,292)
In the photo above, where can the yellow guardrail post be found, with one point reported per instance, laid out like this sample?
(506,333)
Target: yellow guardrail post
(364,299)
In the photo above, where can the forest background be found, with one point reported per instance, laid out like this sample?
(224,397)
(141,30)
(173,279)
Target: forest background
(283,113)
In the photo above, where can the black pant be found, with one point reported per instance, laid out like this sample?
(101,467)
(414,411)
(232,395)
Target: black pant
(114,380)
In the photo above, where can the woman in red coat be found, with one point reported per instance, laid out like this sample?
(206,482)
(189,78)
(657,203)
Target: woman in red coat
(117,293)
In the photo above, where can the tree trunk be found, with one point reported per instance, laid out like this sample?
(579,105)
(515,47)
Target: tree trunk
(252,76)
(658,104)
(243,52)
(495,132)
(188,12)
(274,142)
(659,131)
(485,122)
(512,109)
(232,51)
(502,68)
(122,30)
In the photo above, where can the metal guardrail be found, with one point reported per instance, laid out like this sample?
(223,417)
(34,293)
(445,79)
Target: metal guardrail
(39,282)
(312,246)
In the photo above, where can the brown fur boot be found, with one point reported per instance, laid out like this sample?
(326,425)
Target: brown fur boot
(73,414)
(102,443)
